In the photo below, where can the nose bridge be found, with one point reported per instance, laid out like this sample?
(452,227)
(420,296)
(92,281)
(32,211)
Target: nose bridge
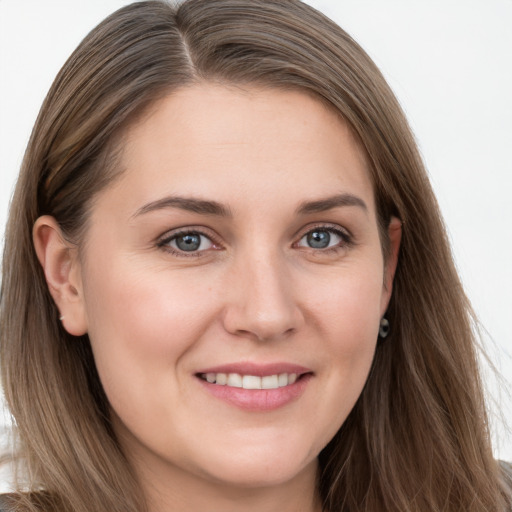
(262,300)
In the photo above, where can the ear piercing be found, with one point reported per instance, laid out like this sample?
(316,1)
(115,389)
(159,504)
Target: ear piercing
(384,328)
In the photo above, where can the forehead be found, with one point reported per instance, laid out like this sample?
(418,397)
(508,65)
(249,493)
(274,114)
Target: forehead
(241,142)
(217,113)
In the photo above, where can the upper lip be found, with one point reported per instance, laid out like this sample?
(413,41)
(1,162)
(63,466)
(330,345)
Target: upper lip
(256,369)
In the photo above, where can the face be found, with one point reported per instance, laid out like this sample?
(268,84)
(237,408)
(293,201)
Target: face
(232,283)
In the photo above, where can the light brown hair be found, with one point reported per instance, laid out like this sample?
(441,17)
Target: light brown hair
(416,440)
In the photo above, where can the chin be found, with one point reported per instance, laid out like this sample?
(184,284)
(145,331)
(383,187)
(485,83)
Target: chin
(255,466)
(259,476)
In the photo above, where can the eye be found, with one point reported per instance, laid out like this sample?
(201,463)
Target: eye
(324,238)
(187,242)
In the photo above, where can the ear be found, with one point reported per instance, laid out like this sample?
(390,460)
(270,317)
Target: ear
(395,237)
(61,266)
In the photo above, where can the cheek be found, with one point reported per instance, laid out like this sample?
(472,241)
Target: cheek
(356,319)
(347,313)
(145,306)
(347,305)
(141,324)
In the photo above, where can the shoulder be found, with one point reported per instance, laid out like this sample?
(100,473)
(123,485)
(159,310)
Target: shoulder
(507,467)
(507,477)
(5,499)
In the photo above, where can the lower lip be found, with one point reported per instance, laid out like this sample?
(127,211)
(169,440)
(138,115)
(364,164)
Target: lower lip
(258,399)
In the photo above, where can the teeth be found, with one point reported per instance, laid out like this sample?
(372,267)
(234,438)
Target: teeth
(283,380)
(236,380)
(270,382)
(251,382)
(221,378)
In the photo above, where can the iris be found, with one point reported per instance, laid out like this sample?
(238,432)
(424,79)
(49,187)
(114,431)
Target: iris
(319,239)
(188,242)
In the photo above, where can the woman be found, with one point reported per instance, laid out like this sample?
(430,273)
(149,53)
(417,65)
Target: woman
(226,281)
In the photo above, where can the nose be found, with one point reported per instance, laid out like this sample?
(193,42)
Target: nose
(262,301)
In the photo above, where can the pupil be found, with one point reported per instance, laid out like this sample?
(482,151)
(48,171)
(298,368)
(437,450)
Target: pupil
(319,239)
(190,242)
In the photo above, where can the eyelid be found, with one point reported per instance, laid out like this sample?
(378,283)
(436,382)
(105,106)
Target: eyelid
(163,240)
(344,233)
(327,226)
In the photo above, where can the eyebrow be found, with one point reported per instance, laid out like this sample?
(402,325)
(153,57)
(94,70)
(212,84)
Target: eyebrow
(322,205)
(189,204)
(206,207)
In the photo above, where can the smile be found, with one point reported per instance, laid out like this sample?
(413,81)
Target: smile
(254,387)
(237,380)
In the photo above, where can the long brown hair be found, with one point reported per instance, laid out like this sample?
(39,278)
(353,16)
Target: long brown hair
(416,440)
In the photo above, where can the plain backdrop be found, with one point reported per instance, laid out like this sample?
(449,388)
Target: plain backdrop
(448,61)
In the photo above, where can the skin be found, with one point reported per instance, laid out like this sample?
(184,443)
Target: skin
(254,291)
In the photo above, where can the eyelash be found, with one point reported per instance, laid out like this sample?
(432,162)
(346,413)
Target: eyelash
(164,243)
(347,241)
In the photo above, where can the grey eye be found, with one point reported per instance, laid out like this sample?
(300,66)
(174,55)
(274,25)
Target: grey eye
(190,242)
(320,239)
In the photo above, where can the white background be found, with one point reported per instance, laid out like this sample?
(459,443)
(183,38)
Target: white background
(450,64)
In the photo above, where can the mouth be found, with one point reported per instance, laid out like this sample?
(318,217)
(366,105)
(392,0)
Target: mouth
(254,387)
(237,380)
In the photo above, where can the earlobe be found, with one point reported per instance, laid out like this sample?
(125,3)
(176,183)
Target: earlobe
(61,268)
(395,237)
